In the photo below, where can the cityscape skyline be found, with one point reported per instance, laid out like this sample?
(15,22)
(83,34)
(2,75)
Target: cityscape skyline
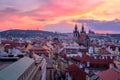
(101,16)
(59,40)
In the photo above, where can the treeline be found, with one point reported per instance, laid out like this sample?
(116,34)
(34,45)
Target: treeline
(26,33)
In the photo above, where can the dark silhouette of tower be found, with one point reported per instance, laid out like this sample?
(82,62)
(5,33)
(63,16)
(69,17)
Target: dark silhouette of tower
(76,33)
(81,37)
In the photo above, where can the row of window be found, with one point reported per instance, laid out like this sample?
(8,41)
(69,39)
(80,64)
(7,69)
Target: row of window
(27,72)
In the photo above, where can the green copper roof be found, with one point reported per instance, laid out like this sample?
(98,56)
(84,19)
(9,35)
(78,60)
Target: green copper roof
(95,54)
(15,70)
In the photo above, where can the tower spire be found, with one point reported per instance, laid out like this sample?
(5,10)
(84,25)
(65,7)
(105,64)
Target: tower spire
(83,28)
(76,28)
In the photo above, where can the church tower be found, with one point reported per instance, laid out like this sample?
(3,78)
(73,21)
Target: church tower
(83,33)
(76,33)
(84,38)
(82,30)
(81,37)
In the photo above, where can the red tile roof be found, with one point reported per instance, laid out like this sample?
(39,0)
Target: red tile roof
(82,37)
(76,72)
(104,51)
(11,45)
(63,55)
(110,74)
(39,51)
(85,58)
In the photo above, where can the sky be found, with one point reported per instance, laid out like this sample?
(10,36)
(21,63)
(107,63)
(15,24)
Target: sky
(101,16)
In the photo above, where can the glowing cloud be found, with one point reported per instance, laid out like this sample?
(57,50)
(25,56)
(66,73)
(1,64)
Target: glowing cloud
(34,14)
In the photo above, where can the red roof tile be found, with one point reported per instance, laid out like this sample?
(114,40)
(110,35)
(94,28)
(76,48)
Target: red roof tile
(85,58)
(110,74)
(104,51)
(76,72)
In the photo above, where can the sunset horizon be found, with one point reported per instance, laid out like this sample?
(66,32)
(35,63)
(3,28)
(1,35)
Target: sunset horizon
(59,39)
(101,16)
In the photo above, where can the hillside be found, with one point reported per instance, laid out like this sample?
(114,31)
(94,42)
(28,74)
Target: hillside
(26,33)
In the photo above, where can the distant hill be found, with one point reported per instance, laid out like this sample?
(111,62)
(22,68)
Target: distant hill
(26,33)
(115,36)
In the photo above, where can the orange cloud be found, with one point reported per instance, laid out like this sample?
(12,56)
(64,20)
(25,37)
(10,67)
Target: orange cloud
(106,31)
(54,11)
(20,22)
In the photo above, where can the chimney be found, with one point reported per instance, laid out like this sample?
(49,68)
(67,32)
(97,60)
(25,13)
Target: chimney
(111,66)
(103,57)
(111,57)
(100,57)
(95,57)
(106,57)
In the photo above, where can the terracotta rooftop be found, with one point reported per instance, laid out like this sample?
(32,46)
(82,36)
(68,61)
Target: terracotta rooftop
(76,72)
(110,74)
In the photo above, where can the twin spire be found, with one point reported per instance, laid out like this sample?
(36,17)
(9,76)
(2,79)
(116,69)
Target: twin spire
(82,29)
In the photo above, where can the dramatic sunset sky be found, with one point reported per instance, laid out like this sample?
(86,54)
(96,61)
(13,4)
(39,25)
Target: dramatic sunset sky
(102,16)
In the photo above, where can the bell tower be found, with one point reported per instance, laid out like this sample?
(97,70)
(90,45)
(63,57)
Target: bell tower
(76,33)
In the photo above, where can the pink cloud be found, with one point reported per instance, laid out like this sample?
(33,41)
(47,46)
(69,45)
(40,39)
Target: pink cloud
(106,31)
(32,14)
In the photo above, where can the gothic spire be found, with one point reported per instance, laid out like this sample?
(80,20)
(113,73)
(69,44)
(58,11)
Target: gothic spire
(82,28)
(76,28)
